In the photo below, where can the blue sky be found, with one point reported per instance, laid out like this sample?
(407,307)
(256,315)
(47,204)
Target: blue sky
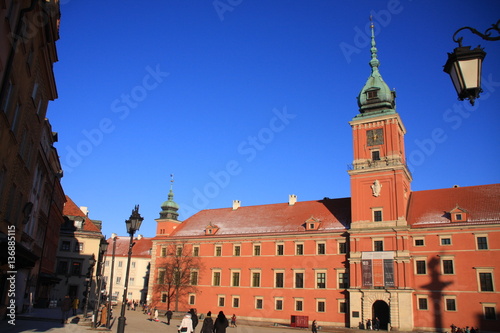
(250,100)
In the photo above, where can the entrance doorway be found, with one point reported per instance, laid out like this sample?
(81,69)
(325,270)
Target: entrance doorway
(381,311)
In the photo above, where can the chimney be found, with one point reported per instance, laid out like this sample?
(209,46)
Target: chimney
(139,237)
(85,210)
(236,204)
(292,199)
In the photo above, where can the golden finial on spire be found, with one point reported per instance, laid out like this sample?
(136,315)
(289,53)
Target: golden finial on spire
(371,22)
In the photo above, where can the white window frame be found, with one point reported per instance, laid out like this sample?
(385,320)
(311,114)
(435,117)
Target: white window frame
(447,297)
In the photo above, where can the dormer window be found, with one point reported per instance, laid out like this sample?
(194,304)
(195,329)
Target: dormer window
(211,229)
(458,214)
(371,94)
(312,223)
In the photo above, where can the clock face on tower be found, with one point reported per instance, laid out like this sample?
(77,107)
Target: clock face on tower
(375,137)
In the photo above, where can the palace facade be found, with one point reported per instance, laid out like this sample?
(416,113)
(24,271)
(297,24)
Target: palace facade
(416,260)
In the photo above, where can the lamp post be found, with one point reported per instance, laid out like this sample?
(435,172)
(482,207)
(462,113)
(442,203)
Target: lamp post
(133,224)
(110,297)
(103,246)
(88,279)
(464,65)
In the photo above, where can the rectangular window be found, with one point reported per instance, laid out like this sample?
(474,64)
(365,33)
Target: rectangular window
(161,276)
(320,280)
(377,215)
(422,303)
(486,281)
(236,302)
(280,277)
(298,305)
(120,263)
(76,268)
(118,279)
(178,251)
(421,267)
(342,307)
(321,248)
(216,279)
(320,306)
(299,249)
(375,155)
(448,266)
(445,241)
(278,304)
(482,243)
(237,250)
(194,278)
(255,279)
(280,249)
(163,251)
(164,297)
(65,246)
(256,250)
(196,251)
(192,299)
(79,247)
(342,247)
(259,303)
(343,280)
(419,242)
(450,304)
(490,313)
(131,281)
(236,279)
(378,245)
(62,268)
(222,300)
(299,280)
(218,251)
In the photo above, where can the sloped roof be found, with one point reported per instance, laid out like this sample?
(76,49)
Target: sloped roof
(431,208)
(334,215)
(71,209)
(139,250)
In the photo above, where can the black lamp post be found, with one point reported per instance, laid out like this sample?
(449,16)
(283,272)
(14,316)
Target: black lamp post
(88,279)
(103,246)
(133,224)
(464,65)
(110,297)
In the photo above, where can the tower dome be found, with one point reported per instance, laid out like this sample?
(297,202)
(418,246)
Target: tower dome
(375,97)
(170,207)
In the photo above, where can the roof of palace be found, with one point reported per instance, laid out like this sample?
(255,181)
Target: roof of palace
(432,208)
(333,215)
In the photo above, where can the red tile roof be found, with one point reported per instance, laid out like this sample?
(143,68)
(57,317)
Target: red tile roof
(334,215)
(71,209)
(140,249)
(431,208)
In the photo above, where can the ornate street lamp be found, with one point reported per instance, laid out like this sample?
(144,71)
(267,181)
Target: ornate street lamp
(464,65)
(110,297)
(133,224)
(103,246)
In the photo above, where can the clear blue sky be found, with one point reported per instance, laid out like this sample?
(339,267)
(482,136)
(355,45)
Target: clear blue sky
(250,100)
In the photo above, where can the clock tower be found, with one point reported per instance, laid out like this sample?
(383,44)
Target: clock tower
(380,179)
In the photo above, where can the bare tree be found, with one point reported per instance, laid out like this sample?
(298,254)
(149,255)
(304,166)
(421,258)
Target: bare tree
(177,273)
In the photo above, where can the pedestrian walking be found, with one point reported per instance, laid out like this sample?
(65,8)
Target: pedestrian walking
(169,316)
(194,318)
(75,304)
(369,324)
(376,324)
(314,326)
(65,307)
(221,323)
(233,321)
(156,315)
(186,325)
(208,324)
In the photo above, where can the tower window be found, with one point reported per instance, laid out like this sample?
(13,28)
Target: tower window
(377,215)
(375,155)
(371,94)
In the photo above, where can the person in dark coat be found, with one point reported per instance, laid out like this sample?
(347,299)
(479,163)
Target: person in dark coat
(208,324)
(221,323)
(314,326)
(169,316)
(194,318)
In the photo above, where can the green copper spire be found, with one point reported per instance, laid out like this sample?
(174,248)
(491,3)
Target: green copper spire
(169,207)
(375,97)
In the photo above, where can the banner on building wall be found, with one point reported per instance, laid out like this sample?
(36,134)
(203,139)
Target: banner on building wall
(378,269)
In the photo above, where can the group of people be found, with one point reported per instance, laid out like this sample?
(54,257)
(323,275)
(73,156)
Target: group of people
(190,321)
(373,325)
(466,329)
(68,304)
(132,304)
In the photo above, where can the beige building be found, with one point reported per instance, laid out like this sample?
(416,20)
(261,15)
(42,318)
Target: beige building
(139,267)
(79,242)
